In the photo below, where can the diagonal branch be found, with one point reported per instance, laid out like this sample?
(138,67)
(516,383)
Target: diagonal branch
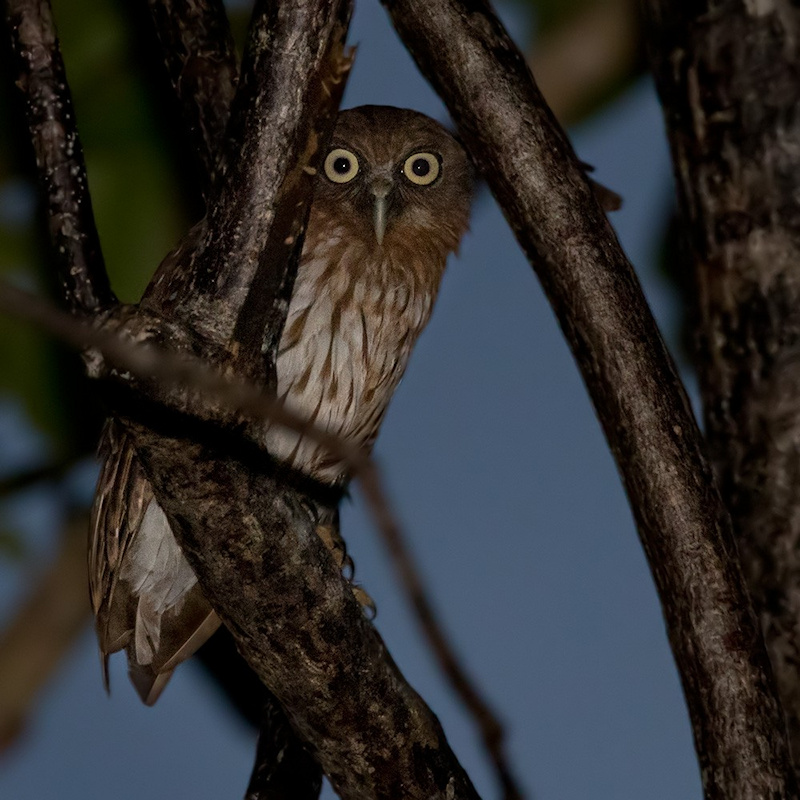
(199,54)
(59,156)
(685,529)
(245,253)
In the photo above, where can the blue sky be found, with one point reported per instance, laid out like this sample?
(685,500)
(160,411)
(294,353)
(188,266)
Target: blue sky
(501,476)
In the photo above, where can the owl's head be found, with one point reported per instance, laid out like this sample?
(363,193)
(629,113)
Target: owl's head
(391,173)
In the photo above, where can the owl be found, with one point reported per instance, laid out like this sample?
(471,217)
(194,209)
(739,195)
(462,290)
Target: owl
(391,202)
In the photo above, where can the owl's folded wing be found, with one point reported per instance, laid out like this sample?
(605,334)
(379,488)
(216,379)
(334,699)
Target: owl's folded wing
(145,597)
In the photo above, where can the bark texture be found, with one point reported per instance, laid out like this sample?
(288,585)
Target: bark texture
(684,526)
(297,624)
(729,79)
(199,54)
(59,156)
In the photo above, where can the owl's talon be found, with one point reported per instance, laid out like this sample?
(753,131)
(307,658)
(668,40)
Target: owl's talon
(332,539)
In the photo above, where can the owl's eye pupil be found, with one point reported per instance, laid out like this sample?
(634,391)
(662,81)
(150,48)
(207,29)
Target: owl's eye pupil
(341,165)
(420,167)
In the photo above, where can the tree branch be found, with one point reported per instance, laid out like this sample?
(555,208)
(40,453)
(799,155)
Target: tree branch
(232,278)
(199,54)
(728,81)
(284,769)
(59,156)
(684,527)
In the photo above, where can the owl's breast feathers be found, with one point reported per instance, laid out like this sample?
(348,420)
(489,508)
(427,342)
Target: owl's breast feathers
(356,312)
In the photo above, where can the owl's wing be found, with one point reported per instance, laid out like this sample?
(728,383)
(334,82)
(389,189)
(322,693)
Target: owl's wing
(144,594)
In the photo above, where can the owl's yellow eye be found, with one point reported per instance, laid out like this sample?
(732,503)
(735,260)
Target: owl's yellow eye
(422,168)
(341,166)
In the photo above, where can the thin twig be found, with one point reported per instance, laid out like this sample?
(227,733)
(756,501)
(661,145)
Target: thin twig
(59,155)
(492,732)
(684,526)
(215,396)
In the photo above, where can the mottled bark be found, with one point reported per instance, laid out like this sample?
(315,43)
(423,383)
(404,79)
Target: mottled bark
(298,625)
(729,81)
(199,55)
(684,527)
(231,278)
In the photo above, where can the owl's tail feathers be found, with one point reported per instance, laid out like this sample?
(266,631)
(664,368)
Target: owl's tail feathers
(147,683)
(182,642)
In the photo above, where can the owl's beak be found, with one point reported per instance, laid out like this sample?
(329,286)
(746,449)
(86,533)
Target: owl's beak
(380,191)
(379,218)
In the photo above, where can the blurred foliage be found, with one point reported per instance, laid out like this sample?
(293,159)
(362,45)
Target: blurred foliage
(139,208)
(551,14)
(12,546)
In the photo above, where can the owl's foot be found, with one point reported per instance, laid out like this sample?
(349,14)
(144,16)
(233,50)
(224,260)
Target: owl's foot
(332,539)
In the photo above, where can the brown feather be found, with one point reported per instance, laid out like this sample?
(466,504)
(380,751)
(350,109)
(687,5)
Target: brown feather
(357,309)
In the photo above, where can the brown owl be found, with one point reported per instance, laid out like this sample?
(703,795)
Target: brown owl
(391,202)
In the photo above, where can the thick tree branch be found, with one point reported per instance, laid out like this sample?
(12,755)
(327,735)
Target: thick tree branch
(729,84)
(297,624)
(200,58)
(199,54)
(684,527)
(232,278)
(59,156)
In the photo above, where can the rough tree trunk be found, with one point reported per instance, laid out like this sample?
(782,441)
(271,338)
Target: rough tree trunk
(729,81)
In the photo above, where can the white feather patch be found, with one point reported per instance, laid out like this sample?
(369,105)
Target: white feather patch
(159,576)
